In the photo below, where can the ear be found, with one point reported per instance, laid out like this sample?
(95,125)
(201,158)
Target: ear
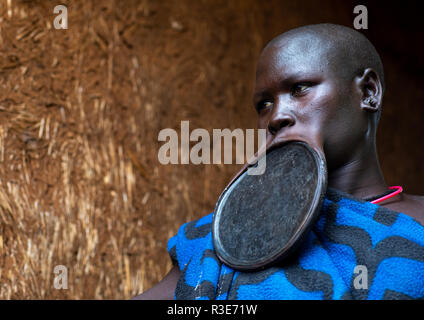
(371,90)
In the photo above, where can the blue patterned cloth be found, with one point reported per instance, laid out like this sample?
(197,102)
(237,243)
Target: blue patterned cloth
(348,233)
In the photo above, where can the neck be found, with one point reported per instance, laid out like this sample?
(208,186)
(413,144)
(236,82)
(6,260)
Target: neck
(361,177)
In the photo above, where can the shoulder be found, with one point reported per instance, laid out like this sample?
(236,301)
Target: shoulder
(418,199)
(415,202)
(164,290)
(411,205)
(191,239)
(419,207)
(199,228)
(193,230)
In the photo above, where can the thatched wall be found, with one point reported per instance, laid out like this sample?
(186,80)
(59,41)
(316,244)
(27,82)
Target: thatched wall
(80,112)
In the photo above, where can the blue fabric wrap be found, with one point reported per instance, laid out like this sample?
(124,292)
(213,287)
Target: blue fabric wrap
(350,234)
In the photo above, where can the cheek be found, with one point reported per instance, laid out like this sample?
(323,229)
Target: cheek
(329,105)
(320,109)
(344,129)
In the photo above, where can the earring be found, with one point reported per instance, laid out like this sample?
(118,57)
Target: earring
(370,101)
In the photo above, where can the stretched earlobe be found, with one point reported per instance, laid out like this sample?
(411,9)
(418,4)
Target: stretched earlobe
(370,89)
(370,101)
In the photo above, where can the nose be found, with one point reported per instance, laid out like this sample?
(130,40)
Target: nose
(279,121)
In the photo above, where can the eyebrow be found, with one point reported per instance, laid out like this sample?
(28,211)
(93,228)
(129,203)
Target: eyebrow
(260,95)
(292,77)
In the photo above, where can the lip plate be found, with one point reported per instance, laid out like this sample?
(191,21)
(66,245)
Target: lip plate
(300,231)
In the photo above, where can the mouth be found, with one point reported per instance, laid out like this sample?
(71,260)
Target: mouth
(280,141)
(275,142)
(314,141)
(272,144)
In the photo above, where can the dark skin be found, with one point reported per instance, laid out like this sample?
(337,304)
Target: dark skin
(298,97)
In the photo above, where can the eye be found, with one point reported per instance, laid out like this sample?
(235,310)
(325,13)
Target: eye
(300,88)
(261,105)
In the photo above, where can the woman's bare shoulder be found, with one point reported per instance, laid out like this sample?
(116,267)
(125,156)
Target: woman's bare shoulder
(411,205)
(165,289)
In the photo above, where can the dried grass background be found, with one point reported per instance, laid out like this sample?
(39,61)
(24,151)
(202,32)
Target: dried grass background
(80,111)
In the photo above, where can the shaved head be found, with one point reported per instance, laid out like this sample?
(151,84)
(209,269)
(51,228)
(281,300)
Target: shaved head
(349,52)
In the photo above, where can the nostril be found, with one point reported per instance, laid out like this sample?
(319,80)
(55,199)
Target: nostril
(279,123)
(285,123)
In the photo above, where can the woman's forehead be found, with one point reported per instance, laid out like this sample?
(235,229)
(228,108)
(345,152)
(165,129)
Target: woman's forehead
(295,62)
